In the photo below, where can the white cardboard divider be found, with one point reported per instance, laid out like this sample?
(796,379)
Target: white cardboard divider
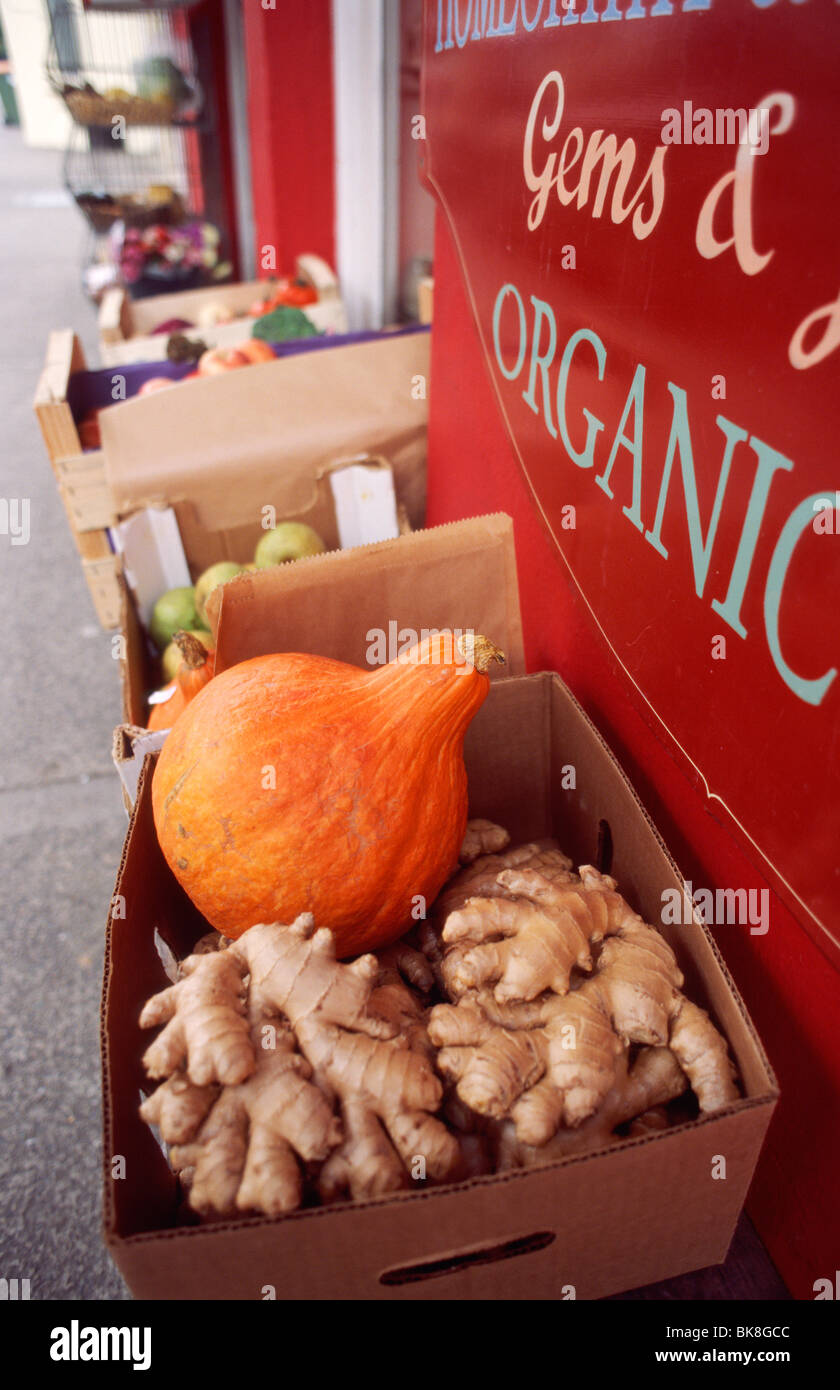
(365,504)
(153,556)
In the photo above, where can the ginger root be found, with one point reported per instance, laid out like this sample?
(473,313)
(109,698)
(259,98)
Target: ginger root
(554,977)
(241,1140)
(286,1075)
(348,1070)
(638,1091)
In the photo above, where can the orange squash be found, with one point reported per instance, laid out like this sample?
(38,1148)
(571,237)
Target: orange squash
(196,669)
(256,350)
(297,784)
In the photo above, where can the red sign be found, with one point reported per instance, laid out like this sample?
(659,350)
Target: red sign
(645,198)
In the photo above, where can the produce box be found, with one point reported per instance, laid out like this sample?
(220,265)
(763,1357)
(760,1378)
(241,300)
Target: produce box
(353,508)
(140,661)
(426,298)
(220,449)
(127,327)
(585,1226)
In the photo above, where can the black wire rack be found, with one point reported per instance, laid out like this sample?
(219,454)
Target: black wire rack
(137,6)
(129,76)
(123,67)
(145,178)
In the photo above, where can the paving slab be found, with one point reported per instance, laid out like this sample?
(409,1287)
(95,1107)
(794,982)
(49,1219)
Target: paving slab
(62,821)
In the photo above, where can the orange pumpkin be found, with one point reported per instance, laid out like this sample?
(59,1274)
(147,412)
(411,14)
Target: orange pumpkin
(196,669)
(256,350)
(299,784)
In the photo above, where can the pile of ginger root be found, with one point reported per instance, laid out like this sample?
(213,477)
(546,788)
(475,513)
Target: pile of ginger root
(530,1017)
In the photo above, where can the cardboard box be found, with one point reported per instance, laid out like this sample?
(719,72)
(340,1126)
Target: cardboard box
(607,1221)
(223,447)
(426,298)
(140,670)
(126,326)
(139,664)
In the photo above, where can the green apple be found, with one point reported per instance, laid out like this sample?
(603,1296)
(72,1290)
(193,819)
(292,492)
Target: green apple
(210,580)
(171,659)
(291,540)
(174,609)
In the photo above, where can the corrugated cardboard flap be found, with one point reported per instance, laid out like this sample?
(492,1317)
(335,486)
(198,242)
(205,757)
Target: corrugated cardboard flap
(233,443)
(462,575)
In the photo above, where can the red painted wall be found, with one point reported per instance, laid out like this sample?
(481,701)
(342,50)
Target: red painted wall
(790,988)
(288,55)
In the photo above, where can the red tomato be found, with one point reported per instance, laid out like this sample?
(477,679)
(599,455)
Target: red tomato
(256,350)
(217,360)
(155,383)
(295,294)
(89,433)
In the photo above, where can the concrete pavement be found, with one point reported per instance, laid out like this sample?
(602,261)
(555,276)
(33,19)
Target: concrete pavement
(61,816)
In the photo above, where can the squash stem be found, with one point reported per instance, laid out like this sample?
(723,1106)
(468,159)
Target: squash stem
(193,652)
(480,651)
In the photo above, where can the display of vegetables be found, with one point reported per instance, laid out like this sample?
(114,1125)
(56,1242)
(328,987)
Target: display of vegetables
(159,79)
(289,293)
(293,292)
(171,657)
(90,435)
(210,580)
(294,783)
(283,324)
(291,540)
(532,1016)
(167,250)
(194,671)
(182,612)
(170,326)
(209,362)
(173,612)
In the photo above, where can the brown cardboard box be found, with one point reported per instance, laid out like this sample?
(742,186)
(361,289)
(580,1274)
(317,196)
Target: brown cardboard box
(426,298)
(126,326)
(611,1220)
(139,665)
(219,449)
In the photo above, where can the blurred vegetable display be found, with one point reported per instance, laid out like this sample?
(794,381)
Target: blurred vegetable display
(167,252)
(142,92)
(284,323)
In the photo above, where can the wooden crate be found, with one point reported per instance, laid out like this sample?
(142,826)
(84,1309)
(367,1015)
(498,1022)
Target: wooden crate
(97,499)
(425,298)
(126,326)
(80,476)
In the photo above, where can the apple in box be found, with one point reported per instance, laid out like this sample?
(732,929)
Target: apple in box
(291,540)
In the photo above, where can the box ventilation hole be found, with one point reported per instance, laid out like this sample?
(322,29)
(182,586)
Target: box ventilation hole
(452,1264)
(604,850)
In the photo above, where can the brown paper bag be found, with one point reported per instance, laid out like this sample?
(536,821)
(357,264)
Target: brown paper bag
(345,605)
(222,448)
